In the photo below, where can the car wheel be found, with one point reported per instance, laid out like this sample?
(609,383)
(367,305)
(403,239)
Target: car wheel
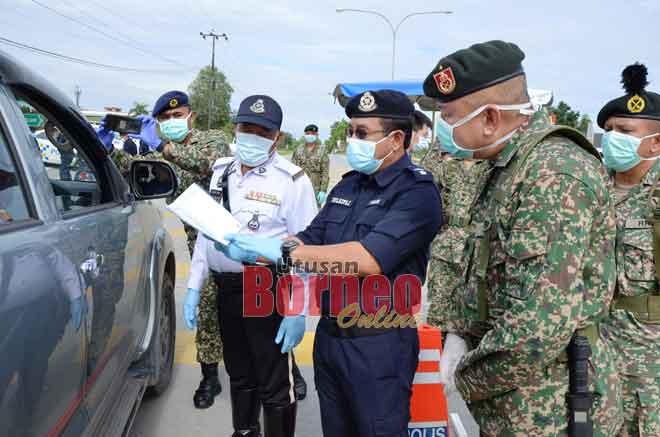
(167,328)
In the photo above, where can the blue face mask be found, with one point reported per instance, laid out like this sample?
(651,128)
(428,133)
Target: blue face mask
(175,129)
(310,139)
(422,143)
(360,155)
(252,150)
(620,150)
(445,131)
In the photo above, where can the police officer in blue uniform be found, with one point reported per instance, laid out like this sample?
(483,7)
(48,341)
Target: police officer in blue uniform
(382,216)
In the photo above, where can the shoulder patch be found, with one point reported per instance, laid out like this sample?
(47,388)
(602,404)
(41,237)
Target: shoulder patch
(221,162)
(286,166)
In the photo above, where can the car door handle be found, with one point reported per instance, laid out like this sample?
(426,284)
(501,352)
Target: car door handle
(93,264)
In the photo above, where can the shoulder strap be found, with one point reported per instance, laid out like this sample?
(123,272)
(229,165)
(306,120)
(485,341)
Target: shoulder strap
(655,220)
(225,186)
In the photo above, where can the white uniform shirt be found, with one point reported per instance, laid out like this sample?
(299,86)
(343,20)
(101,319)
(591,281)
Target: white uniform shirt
(267,201)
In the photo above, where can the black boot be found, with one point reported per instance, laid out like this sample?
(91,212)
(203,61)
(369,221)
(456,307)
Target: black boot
(299,384)
(245,410)
(280,421)
(209,388)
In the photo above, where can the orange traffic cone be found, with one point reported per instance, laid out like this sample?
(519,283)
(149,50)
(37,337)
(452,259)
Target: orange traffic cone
(428,406)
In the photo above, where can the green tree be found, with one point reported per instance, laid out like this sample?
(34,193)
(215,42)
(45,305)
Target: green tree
(200,93)
(568,117)
(139,108)
(287,142)
(338,133)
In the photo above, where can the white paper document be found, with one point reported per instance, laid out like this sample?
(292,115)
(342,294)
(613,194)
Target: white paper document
(197,208)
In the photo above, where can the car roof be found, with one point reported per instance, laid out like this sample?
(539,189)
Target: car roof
(16,74)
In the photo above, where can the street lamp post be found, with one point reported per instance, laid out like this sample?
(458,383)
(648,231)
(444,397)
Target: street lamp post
(394,29)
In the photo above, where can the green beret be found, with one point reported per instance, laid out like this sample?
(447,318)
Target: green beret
(637,103)
(475,68)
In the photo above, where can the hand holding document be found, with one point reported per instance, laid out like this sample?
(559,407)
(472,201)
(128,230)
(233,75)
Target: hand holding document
(198,209)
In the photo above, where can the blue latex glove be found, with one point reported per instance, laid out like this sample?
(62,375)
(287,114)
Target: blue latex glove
(234,252)
(149,132)
(269,248)
(106,136)
(292,330)
(76,308)
(190,308)
(320,197)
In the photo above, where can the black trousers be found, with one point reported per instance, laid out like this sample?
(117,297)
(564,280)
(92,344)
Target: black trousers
(251,357)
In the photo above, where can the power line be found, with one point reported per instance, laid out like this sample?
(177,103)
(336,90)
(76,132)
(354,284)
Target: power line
(82,61)
(106,34)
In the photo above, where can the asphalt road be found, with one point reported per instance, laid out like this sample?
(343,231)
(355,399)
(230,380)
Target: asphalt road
(173,414)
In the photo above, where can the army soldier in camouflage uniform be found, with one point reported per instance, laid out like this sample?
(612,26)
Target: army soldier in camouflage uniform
(313,158)
(458,180)
(631,146)
(540,257)
(191,153)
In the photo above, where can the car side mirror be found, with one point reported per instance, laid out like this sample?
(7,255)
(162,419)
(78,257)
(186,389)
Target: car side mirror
(152,179)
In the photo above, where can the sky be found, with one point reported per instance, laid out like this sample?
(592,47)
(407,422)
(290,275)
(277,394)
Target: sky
(298,51)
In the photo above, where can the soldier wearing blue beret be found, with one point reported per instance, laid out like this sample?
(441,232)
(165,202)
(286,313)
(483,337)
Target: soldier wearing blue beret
(380,218)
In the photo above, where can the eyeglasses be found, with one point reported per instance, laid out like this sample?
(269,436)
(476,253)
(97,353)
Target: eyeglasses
(361,133)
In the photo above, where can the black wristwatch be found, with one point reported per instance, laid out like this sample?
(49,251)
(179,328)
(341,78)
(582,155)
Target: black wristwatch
(284,263)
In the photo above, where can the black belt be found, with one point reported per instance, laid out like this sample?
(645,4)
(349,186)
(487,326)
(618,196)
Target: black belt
(233,281)
(329,326)
(228,282)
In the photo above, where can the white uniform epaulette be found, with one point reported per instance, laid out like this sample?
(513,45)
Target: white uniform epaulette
(287,166)
(221,162)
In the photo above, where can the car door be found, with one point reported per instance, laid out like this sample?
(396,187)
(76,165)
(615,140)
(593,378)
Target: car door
(101,228)
(42,301)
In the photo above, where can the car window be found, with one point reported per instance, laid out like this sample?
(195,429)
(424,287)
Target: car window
(72,176)
(13,205)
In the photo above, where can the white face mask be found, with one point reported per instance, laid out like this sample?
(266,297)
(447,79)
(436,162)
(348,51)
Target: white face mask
(445,131)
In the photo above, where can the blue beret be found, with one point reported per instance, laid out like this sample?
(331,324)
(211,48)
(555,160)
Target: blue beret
(260,110)
(380,104)
(170,100)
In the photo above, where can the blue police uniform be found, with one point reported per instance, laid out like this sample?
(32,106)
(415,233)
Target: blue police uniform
(364,375)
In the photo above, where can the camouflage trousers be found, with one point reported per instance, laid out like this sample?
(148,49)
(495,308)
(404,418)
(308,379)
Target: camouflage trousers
(207,338)
(641,406)
(539,408)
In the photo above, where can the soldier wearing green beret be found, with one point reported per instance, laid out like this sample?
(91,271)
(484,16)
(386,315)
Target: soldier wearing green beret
(540,256)
(631,147)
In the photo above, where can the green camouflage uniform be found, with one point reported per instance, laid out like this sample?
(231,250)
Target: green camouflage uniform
(316,164)
(636,341)
(548,271)
(458,181)
(193,164)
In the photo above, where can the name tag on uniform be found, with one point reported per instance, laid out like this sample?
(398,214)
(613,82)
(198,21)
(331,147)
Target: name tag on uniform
(340,201)
(263,197)
(374,202)
(638,224)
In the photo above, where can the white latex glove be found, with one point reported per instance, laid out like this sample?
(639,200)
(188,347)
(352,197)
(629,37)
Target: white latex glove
(455,348)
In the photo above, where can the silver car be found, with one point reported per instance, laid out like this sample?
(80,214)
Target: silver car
(87,271)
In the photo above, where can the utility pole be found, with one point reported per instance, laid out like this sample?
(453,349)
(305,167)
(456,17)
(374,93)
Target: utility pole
(77,92)
(214,37)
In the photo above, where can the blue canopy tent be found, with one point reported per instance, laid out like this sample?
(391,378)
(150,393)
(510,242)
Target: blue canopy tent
(414,89)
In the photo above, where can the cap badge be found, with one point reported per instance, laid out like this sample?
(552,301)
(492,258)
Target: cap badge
(636,104)
(367,102)
(174,103)
(258,107)
(445,80)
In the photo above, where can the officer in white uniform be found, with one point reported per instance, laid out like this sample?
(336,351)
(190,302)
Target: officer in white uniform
(271,197)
